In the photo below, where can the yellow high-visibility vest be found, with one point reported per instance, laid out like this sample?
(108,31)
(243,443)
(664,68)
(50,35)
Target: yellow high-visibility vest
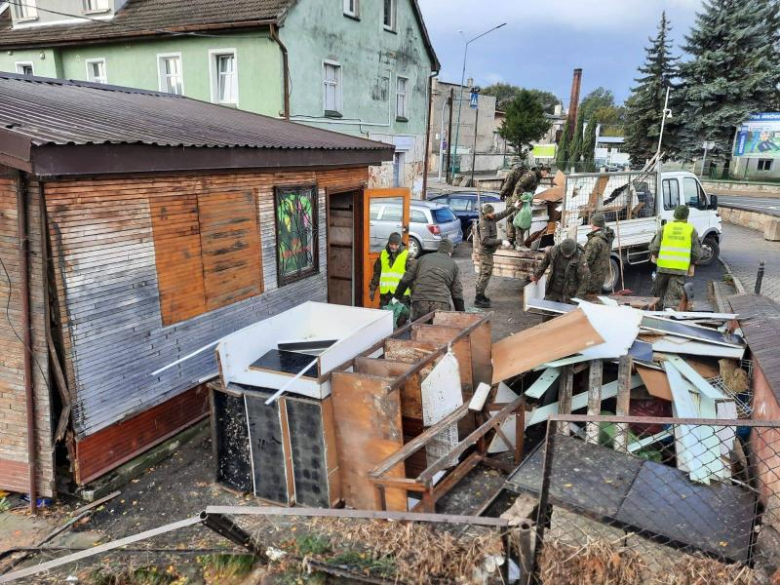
(391,276)
(675,252)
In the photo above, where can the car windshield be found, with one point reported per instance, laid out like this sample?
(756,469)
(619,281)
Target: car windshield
(443,215)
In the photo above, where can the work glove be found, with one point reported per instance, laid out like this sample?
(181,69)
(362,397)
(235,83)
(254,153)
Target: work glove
(372,294)
(518,204)
(459,305)
(506,244)
(394,301)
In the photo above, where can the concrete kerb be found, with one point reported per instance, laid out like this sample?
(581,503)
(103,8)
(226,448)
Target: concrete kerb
(737,282)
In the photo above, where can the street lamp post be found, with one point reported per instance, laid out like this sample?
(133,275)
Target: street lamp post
(463,79)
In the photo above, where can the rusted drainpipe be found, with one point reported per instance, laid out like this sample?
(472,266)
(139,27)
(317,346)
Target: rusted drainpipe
(426,156)
(285,69)
(24,274)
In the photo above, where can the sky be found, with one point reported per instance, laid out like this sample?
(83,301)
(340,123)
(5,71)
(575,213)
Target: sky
(545,40)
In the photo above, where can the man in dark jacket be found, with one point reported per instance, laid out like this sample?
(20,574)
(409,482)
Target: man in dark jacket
(597,253)
(435,280)
(488,243)
(569,272)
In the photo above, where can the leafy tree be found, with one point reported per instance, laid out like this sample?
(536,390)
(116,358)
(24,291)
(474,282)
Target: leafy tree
(734,71)
(549,100)
(562,155)
(506,92)
(646,103)
(524,122)
(599,99)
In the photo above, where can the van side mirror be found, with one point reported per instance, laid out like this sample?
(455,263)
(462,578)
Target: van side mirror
(713,201)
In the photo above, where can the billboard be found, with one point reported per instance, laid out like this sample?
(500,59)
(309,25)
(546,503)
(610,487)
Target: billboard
(544,151)
(759,136)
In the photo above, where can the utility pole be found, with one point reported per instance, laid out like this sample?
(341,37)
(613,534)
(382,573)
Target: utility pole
(451,101)
(474,154)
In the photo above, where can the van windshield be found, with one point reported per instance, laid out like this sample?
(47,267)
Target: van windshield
(443,215)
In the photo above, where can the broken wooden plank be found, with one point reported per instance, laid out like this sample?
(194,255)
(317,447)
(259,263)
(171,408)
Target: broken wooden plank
(689,331)
(565,394)
(671,344)
(623,402)
(543,383)
(595,380)
(656,382)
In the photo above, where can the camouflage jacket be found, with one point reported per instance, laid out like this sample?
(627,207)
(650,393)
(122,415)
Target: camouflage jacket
(597,253)
(508,187)
(434,277)
(488,231)
(568,277)
(527,184)
(655,247)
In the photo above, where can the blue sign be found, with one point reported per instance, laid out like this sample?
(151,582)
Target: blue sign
(765,117)
(741,141)
(474,99)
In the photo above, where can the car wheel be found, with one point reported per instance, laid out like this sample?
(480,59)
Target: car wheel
(414,248)
(612,278)
(710,250)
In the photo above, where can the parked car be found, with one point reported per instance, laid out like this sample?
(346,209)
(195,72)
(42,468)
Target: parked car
(464,206)
(429,222)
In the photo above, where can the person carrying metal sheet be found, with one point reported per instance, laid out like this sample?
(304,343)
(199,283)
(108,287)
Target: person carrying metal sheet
(675,249)
(435,280)
(389,268)
(488,242)
(528,183)
(597,253)
(569,274)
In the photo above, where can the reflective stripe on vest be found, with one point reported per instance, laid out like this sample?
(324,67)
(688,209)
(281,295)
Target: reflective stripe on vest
(391,275)
(675,252)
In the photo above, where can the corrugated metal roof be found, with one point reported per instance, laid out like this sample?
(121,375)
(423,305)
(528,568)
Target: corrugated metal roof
(55,112)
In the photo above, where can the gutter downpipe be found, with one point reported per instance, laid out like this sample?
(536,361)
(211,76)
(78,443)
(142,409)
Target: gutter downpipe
(426,159)
(24,273)
(285,68)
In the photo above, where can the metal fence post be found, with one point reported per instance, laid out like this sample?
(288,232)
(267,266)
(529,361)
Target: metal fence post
(759,277)
(542,515)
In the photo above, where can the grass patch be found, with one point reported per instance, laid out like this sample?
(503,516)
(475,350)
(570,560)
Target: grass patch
(383,566)
(226,568)
(312,545)
(139,576)
(5,505)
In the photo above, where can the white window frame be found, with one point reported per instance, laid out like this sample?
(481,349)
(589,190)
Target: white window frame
(354,11)
(19,64)
(88,10)
(161,75)
(89,63)
(398,112)
(339,86)
(26,11)
(214,55)
(393,15)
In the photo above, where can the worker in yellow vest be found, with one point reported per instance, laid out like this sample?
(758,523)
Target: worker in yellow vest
(389,268)
(674,249)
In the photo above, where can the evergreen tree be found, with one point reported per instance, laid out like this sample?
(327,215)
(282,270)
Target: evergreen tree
(646,103)
(588,150)
(734,71)
(562,155)
(525,121)
(576,151)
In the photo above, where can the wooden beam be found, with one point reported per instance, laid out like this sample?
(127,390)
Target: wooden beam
(623,402)
(565,395)
(595,381)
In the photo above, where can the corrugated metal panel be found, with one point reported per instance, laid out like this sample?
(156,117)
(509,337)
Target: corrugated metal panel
(55,112)
(103,244)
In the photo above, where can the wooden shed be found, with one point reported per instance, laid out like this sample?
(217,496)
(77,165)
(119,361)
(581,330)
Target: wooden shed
(136,228)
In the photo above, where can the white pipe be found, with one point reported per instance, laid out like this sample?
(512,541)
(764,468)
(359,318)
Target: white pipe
(284,388)
(185,358)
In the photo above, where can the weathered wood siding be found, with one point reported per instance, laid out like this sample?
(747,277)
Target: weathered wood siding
(14,472)
(103,245)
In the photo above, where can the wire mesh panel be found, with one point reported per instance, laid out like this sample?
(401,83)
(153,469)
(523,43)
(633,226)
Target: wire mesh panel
(662,495)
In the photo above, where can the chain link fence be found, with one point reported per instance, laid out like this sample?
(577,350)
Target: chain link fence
(646,499)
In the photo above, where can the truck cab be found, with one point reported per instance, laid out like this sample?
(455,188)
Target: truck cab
(684,188)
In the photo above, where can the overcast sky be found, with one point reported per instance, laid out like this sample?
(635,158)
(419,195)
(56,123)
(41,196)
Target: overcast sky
(544,40)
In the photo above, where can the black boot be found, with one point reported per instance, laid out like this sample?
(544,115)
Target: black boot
(481,302)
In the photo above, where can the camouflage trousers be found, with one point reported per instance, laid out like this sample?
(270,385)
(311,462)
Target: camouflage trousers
(669,288)
(515,234)
(422,308)
(485,272)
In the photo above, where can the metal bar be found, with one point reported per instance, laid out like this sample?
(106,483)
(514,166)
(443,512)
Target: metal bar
(565,392)
(357,514)
(519,433)
(759,278)
(542,516)
(582,418)
(623,401)
(7,578)
(595,380)
(185,358)
(275,396)
(443,462)
(226,528)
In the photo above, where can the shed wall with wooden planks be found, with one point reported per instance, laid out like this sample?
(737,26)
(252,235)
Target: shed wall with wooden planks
(103,246)
(14,471)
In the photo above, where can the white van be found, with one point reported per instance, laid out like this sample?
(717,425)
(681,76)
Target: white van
(636,205)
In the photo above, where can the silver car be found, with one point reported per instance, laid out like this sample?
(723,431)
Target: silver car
(429,222)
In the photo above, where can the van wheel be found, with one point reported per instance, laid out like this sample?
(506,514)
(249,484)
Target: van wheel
(613,277)
(414,248)
(710,250)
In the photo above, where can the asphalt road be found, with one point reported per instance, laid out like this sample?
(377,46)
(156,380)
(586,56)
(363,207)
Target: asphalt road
(769,205)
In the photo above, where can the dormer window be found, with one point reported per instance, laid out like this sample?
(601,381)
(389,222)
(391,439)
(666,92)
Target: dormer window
(25,11)
(93,6)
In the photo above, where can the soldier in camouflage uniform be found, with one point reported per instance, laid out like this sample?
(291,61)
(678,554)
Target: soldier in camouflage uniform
(669,281)
(597,253)
(488,243)
(569,272)
(435,280)
(528,183)
(508,187)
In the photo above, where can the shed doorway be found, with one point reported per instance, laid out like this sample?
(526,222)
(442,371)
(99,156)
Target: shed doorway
(345,228)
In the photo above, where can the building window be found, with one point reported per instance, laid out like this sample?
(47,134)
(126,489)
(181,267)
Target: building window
(96,6)
(170,73)
(331,89)
(297,233)
(25,68)
(351,8)
(224,77)
(26,10)
(96,71)
(400,98)
(765,164)
(389,14)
